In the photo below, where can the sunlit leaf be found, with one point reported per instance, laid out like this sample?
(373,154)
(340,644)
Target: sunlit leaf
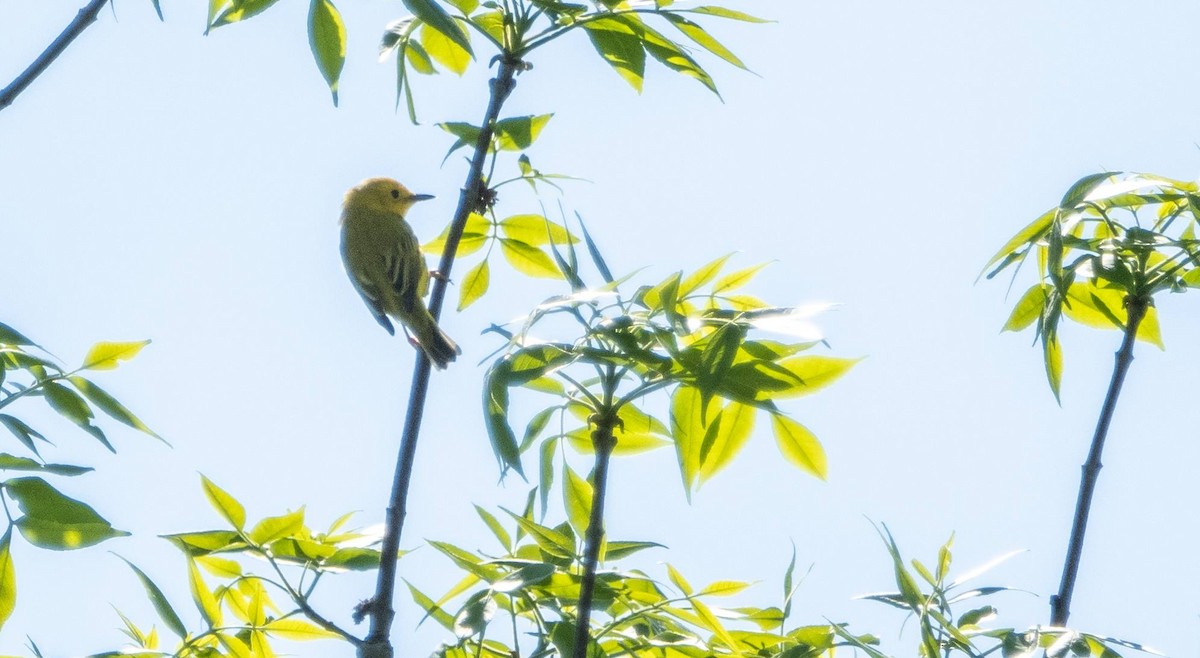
(474,284)
(327,39)
(161,605)
(8,578)
(799,446)
(228,506)
(55,521)
(106,356)
(577,498)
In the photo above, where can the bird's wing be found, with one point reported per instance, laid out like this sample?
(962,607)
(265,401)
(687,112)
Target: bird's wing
(405,267)
(370,296)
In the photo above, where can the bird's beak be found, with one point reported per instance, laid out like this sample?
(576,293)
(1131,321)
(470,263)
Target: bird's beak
(420,197)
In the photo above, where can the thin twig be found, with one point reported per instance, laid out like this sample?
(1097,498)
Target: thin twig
(86,17)
(1060,604)
(377,644)
(603,442)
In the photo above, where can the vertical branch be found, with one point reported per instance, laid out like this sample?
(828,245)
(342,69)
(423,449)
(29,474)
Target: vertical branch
(378,644)
(603,442)
(83,19)
(1060,604)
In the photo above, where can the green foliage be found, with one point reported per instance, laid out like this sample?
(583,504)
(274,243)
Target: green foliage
(1114,239)
(702,346)
(934,600)
(44,516)
(526,602)
(240,615)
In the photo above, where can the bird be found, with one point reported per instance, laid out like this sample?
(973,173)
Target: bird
(384,262)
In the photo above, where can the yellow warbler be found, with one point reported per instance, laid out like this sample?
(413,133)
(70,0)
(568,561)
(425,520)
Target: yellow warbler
(384,262)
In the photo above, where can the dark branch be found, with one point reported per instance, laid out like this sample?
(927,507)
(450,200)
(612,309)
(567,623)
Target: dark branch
(377,644)
(86,17)
(603,442)
(1060,604)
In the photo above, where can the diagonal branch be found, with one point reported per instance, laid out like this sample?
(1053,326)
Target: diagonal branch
(377,644)
(1060,604)
(86,17)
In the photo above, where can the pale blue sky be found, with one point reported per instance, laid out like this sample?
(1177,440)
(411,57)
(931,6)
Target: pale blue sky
(159,184)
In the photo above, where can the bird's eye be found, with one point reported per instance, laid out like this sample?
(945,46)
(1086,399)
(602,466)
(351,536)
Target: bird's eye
(395,194)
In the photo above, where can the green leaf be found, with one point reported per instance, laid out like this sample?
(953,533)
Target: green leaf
(1026,236)
(727,13)
(621,47)
(1052,356)
(619,550)
(444,50)
(679,581)
(528,259)
(734,425)
(535,230)
(465,6)
(1028,308)
(703,39)
(577,498)
(723,588)
(109,405)
(1083,187)
(24,433)
(10,336)
(106,356)
(157,8)
(816,372)
(72,407)
(327,39)
(498,530)
(737,279)
(55,521)
(236,10)
(519,133)
(277,527)
(474,284)
(688,430)
(432,14)
(799,446)
(206,602)
(202,543)
(12,463)
(495,412)
(530,574)
(299,630)
(671,55)
(702,275)
(159,601)
(8,578)
(226,505)
(431,608)
(601,266)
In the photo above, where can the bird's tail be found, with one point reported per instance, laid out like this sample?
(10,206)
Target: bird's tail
(436,344)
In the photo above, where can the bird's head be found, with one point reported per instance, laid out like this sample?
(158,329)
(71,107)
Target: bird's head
(382,194)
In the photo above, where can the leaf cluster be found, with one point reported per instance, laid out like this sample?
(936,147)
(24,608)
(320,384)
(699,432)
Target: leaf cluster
(692,335)
(525,599)
(44,516)
(240,614)
(930,597)
(1114,240)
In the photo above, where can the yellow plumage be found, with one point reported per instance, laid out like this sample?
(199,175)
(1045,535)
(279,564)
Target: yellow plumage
(384,262)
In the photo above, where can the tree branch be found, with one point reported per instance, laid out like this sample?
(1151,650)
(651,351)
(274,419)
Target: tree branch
(603,442)
(1060,604)
(378,644)
(86,17)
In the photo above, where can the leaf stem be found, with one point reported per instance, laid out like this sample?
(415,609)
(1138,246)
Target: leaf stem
(377,643)
(83,19)
(1060,604)
(604,442)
